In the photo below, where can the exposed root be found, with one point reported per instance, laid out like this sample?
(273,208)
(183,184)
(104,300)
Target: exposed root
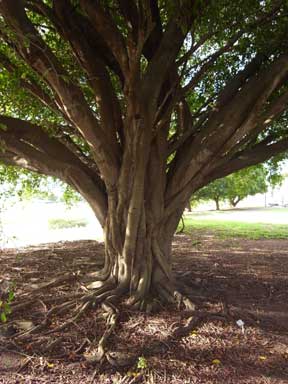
(73,306)
(17,306)
(79,312)
(148,304)
(195,320)
(183,301)
(54,283)
(97,351)
(33,330)
(79,303)
(168,295)
(191,324)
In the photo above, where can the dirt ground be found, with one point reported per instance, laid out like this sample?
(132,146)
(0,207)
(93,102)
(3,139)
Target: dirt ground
(229,280)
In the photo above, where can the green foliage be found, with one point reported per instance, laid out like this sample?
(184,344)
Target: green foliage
(67,223)
(247,182)
(142,363)
(5,305)
(69,196)
(239,185)
(139,368)
(223,18)
(16,183)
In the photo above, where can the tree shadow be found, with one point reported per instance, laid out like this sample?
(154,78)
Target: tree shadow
(237,279)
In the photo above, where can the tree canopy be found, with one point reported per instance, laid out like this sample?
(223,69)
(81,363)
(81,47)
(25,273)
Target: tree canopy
(137,105)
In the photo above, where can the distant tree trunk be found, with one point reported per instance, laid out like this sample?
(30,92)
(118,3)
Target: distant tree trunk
(188,206)
(234,201)
(217,202)
(181,230)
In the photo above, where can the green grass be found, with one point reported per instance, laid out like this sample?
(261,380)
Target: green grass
(66,223)
(226,229)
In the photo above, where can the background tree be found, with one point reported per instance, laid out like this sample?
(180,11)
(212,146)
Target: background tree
(247,182)
(239,185)
(137,105)
(216,191)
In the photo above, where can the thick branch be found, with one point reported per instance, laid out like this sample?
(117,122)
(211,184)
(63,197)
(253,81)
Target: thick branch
(224,128)
(28,146)
(152,43)
(73,28)
(252,156)
(161,63)
(39,56)
(130,13)
(105,26)
(30,133)
(89,32)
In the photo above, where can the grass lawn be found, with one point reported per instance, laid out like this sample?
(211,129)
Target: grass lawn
(223,227)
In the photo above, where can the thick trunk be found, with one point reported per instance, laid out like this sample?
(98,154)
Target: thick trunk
(137,266)
(137,237)
(217,204)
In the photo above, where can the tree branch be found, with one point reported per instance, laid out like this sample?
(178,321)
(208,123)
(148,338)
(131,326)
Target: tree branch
(152,43)
(73,27)
(89,32)
(161,63)
(246,158)
(28,146)
(37,138)
(210,60)
(129,11)
(39,56)
(225,127)
(105,26)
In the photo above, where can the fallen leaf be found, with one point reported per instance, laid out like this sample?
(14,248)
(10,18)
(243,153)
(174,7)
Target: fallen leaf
(193,334)
(262,358)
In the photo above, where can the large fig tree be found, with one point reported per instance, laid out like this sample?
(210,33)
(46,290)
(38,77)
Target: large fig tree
(136,105)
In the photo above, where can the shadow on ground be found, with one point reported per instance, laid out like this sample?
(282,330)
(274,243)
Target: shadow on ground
(233,279)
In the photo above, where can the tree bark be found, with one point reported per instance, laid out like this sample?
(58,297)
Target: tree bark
(217,204)
(138,259)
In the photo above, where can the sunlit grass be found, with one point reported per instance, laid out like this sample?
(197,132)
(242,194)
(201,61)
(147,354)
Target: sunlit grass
(223,228)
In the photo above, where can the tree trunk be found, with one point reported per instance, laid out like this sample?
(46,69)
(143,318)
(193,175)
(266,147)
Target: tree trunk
(188,206)
(138,238)
(137,261)
(217,204)
(234,202)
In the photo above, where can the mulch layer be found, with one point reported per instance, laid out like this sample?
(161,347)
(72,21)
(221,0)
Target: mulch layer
(240,288)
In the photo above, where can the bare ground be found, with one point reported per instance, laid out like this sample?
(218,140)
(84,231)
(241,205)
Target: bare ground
(229,280)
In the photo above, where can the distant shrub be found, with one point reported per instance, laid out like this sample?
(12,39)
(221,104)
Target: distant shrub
(66,223)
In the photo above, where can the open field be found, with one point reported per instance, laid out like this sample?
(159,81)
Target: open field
(228,279)
(31,223)
(271,223)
